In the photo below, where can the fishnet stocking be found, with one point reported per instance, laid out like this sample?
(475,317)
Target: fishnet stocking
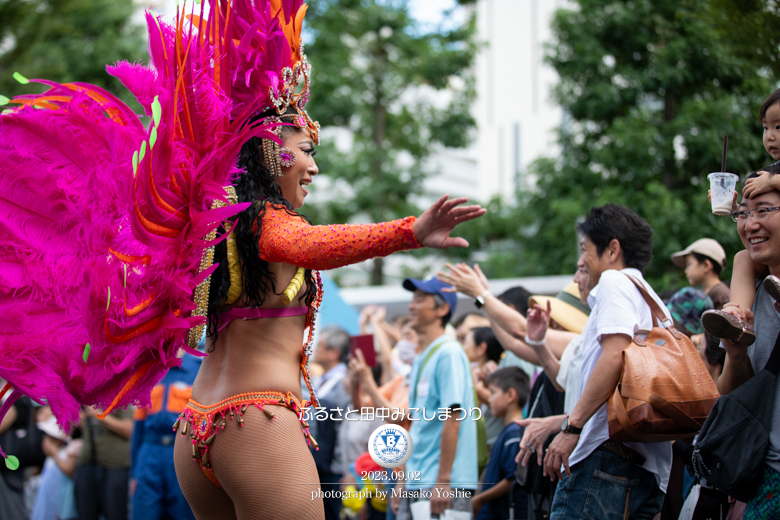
(265,469)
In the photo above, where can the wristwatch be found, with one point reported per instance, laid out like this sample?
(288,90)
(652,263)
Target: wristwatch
(479,301)
(567,427)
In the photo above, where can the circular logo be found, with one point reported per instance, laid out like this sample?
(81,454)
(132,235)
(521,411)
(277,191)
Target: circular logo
(390,446)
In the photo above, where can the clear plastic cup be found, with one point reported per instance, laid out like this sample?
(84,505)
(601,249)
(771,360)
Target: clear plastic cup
(722,186)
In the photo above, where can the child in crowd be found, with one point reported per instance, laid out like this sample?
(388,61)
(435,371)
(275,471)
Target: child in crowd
(509,388)
(731,323)
(686,307)
(56,498)
(703,261)
(481,346)
(484,352)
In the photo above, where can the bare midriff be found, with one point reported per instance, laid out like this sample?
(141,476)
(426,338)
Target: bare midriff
(262,354)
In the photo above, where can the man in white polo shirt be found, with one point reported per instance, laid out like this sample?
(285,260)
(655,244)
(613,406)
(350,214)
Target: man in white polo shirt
(601,478)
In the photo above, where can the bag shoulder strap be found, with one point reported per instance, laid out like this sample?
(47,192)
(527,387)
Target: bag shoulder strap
(658,314)
(773,363)
(430,353)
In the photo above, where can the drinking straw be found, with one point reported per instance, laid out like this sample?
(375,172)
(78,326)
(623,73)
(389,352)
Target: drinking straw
(723,162)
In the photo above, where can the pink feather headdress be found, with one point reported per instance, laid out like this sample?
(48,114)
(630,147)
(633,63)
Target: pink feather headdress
(102,221)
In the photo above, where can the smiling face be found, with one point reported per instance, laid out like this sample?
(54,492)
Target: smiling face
(594,263)
(296,177)
(423,312)
(762,236)
(771,124)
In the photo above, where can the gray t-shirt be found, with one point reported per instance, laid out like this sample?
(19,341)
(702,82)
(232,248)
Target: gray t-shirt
(767,329)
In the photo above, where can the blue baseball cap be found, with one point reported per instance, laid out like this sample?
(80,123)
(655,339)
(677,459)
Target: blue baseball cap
(433,286)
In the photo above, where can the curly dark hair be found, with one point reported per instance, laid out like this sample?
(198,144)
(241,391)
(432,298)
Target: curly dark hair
(255,184)
(613,221)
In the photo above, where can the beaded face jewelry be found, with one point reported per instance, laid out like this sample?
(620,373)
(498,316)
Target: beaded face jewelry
(291,90)
(271,156)
(286,157)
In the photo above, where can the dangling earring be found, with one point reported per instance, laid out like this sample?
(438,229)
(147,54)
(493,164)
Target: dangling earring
(271,156)
(287,157)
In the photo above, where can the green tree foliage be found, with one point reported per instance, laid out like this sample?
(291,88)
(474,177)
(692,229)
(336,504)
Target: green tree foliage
(649,89)
(66,40)
(400,90)
(751,28)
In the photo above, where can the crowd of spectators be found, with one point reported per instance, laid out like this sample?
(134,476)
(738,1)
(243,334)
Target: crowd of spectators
(500,401)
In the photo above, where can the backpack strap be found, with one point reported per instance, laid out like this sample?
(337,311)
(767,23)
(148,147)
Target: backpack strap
(430,353)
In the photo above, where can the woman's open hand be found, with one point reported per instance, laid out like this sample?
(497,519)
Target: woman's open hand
(538,322)
(463,279)
(434,226)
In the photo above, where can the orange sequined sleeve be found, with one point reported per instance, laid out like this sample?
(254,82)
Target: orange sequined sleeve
(290,239)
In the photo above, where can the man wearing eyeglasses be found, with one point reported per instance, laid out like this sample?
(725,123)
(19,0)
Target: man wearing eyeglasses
(758,224)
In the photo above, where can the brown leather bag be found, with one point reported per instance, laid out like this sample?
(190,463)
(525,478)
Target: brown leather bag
(665,392)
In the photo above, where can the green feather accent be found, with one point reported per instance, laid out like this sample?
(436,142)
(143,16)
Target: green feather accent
(153,137)
(11,463)
(135,162)
(108,300)
(3,100)
(87,348)
(143,152)
(21,79)
(156,110)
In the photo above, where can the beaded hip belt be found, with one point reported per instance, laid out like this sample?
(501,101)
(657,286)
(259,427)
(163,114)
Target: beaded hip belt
(203,423)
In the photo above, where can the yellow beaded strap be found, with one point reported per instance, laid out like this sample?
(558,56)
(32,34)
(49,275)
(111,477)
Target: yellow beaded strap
(234,267)
(202,290)
(295,285)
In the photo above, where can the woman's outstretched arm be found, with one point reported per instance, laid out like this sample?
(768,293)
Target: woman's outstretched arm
(288,238)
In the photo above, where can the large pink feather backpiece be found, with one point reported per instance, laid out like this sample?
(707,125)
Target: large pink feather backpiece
(102,221)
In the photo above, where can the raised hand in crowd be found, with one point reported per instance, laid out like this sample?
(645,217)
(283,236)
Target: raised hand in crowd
(375,315)
(365,317)
(360,370)
(379,315)
(509,326)
(362,375)
(481,375)
(538,326)
(488,368)
(433,227)
(538,322)
(464,279)
(371,314)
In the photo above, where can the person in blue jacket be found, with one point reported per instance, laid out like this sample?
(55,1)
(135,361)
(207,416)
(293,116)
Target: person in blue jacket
(155,490)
